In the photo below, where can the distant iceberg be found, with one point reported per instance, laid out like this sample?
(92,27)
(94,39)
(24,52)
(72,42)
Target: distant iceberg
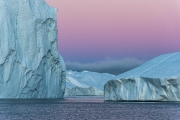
(86,83)
(79,91)
(156,80)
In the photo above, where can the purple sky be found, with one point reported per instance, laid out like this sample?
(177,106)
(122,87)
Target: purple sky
(99,30)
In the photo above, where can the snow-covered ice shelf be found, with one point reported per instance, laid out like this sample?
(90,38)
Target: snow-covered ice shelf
(156,80)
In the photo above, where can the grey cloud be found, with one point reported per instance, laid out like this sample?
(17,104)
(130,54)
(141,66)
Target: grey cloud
(111,66)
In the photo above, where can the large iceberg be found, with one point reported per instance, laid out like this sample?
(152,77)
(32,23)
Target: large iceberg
(30,65)
(156,80)
(86,83)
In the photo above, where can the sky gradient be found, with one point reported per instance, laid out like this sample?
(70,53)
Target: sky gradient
(97,30)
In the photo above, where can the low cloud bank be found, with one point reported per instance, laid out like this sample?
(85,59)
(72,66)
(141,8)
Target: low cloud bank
(111,66)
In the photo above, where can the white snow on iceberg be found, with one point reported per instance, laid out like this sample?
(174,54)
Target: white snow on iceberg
(156,80)
(86,83)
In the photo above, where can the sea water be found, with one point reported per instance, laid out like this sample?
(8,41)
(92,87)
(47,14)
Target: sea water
(87,108)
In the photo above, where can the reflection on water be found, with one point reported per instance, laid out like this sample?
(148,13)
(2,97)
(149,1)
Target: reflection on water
(97,99)
(79,108)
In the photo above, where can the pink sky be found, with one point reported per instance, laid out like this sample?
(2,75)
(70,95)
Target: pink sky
(92,30)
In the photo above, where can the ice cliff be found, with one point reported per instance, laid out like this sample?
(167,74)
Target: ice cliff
(156,80)
(78,91)
(30,65)
(86,83)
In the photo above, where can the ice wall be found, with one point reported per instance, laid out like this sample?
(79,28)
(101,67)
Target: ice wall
(156,80)
(78,91)
(30,65)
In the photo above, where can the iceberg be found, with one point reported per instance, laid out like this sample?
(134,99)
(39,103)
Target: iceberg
(156,80)
(30,65)
(78,91)
(86,83)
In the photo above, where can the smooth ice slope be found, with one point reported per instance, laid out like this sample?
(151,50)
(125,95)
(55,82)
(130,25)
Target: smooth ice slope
(30,65)
(86,83)
(156,80)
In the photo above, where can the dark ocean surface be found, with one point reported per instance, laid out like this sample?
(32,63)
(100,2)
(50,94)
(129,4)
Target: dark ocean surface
(87,108)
